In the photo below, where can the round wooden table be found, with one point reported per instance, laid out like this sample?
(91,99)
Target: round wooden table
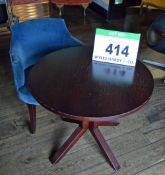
(67,82)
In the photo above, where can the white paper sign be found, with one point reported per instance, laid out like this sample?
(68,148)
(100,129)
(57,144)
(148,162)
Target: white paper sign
(116,47)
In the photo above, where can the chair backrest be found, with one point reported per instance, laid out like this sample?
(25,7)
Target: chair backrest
(156,34)
(33,39)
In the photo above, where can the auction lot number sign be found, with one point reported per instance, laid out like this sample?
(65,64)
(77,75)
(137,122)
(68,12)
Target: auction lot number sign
(116,47)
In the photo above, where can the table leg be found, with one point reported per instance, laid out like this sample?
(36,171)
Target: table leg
(105,148)
(79,131)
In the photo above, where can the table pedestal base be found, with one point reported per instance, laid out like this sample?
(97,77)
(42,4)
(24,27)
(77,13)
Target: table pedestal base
(92,126)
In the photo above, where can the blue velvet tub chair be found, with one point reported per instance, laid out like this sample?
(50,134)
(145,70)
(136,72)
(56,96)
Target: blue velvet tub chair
(30,40)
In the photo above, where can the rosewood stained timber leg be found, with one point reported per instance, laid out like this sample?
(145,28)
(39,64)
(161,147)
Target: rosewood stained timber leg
(32,117)
(105,147)
(79,131)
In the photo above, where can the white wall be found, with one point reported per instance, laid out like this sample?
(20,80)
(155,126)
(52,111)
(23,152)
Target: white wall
(103,3)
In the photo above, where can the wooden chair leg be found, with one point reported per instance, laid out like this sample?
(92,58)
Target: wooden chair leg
(32,117)
(105,148)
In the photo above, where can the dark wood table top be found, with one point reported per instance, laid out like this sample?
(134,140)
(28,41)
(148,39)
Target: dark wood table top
(69,83)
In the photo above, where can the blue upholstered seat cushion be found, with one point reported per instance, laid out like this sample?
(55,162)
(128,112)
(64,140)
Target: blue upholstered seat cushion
(30,41)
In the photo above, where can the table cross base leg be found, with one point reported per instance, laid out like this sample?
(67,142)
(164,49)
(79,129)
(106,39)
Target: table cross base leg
(79,131)
(105,148)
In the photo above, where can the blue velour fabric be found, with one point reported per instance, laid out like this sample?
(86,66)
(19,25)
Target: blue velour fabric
(156,34)
(30,40)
